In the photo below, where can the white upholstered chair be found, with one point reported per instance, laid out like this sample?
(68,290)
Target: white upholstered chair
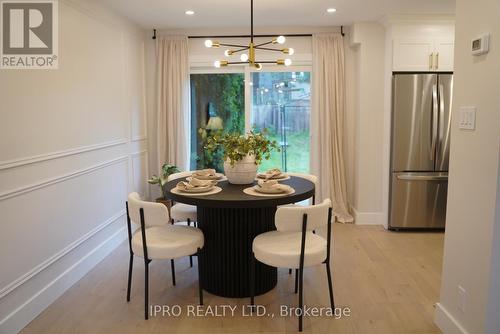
(157,239)
(293,245)
(314,179)
(180,212)
(310,177)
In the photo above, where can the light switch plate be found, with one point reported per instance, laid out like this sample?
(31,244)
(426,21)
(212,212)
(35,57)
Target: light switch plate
(467,119)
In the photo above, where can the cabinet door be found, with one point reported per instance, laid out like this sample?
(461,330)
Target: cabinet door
(444,48)
(412,54)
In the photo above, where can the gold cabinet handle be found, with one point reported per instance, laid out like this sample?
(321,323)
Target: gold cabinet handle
(431,61)
(437,60)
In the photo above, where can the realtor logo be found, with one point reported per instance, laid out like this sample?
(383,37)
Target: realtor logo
(29,34)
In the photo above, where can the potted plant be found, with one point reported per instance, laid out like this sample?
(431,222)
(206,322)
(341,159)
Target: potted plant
(242,153)
(166,171)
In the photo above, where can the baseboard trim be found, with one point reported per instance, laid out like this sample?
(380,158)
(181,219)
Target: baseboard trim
(30,309)
(367,218)
(446,322)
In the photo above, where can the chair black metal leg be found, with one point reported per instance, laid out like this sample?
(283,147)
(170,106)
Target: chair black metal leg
(296,279)
(252,279)
(301,296)
(200,283)
(129,284)
(190,256)
(330,287)
(172,267)
(146,289)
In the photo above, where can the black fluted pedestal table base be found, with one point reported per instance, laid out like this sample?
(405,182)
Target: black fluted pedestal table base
(229,233)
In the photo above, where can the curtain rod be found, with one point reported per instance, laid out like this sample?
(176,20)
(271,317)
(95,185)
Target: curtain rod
(247,36)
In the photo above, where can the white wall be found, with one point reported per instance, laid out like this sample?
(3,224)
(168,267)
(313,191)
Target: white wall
(367,103)
(471,257)
(73,144)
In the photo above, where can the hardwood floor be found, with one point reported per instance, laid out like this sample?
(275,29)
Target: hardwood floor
(390,281)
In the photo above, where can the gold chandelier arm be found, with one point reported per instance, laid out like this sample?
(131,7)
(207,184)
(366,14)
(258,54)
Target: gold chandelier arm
(234,45)
(239,50)
(238,62)
(268,49)
(262,44)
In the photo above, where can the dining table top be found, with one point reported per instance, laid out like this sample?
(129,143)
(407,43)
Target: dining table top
(232,195)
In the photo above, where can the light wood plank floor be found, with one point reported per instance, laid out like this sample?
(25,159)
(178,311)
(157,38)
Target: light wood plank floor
(389,280)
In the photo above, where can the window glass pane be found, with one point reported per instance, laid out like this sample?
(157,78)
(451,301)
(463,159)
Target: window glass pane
(217,102)
(281,104)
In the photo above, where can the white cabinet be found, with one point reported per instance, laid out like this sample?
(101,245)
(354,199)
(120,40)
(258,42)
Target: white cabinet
(422,54)
(444,49)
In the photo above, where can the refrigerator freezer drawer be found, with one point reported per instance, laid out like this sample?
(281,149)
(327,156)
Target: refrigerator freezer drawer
(418,200)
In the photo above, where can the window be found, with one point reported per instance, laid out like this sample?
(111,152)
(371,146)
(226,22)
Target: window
(281,104)
(217,103)
(277,101)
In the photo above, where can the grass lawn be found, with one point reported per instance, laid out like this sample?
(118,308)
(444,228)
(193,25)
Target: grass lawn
(297,154)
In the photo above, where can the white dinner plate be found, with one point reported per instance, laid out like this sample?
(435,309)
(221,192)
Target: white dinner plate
(213,191)
(253,192)
(196,189)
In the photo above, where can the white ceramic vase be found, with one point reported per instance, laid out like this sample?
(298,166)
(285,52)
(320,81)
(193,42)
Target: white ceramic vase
(243,171)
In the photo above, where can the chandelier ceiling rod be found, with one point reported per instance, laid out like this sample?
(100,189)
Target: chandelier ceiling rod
(251,21)
(247,36)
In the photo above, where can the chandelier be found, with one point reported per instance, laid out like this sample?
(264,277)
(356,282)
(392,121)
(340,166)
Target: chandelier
(247,52)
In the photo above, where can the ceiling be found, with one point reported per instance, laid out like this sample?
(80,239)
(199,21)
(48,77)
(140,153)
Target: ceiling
(169,14)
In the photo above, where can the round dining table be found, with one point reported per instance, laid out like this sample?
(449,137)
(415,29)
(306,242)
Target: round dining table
(230,220)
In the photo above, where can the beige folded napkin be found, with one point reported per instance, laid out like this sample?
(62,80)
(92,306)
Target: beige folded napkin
(272,186)
(195,183)
(269,174)
(205,172)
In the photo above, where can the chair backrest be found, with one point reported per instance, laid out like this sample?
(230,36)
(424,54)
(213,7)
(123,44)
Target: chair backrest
(289,218)
(155,214)
(310,177)
(179,175)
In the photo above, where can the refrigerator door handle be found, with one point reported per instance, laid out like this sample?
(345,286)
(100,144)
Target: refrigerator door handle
(434,129)
(422,177)
(439,132)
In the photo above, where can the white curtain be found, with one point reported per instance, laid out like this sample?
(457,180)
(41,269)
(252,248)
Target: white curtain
(328,113)
(173,112)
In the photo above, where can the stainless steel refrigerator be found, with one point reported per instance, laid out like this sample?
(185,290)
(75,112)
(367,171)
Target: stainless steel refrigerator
(420,144)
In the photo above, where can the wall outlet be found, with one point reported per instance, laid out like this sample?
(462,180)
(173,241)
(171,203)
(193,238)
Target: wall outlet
(462,298)
(467,119)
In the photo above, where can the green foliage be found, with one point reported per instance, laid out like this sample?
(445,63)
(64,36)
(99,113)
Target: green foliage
(226,92)
(166,171)
(235,146)
(209,159)
(298,151)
